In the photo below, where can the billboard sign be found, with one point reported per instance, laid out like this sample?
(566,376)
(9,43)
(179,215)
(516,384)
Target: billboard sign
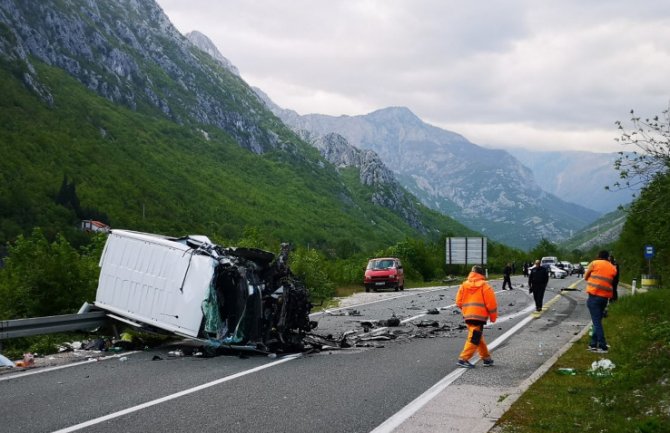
(464,251)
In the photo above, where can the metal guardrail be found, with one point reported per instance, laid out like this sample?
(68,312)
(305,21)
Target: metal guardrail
(51,324)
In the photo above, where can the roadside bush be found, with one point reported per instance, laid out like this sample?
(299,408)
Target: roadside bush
(42,278)
(308,265)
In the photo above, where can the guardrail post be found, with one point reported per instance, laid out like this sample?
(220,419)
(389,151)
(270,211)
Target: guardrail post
(633,286)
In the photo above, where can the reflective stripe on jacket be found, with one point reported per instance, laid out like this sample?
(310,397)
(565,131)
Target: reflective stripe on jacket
(477,300)
(600,282)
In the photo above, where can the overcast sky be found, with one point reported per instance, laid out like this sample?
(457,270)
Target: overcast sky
(543,75)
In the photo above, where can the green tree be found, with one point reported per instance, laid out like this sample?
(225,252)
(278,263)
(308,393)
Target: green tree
(651,138)
(544,248)
(309,266)
(647,218)
(42,278)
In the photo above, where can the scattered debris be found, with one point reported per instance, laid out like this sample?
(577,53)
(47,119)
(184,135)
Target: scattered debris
(567,371)
(27,361)
(601,368)
(427,323)
(433,311)
(392,322)
(5,362)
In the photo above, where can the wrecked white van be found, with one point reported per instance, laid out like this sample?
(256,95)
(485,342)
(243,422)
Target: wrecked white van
(235,297)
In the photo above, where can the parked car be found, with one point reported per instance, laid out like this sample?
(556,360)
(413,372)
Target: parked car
(566,266)
(384,273)
(556,272)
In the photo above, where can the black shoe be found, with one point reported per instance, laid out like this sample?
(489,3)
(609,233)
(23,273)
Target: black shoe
(465,364)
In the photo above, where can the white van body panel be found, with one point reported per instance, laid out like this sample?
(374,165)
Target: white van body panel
(154,280)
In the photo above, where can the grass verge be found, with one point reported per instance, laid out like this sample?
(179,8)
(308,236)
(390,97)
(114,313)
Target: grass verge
(634,396)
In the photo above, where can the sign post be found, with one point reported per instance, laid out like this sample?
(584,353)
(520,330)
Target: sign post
(649,254)
(649,280)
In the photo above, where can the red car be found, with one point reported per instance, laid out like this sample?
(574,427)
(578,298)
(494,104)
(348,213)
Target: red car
(383,273)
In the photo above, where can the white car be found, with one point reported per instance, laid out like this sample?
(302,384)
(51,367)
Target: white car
(556,272)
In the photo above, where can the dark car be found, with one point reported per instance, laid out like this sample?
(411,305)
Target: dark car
(384,273)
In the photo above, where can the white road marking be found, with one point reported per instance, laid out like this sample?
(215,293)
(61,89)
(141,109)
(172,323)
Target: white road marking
(59,367)
(174,396)
(403,414)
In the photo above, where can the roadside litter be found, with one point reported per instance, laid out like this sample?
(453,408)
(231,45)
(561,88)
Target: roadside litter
(27,361)
(5,362)
(601,368)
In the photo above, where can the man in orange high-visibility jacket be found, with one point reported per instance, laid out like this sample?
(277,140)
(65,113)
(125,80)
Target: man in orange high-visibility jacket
(477,301)
(599,278)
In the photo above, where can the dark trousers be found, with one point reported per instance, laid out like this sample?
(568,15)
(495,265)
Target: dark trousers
(507,281)
(538,295)
(596,306)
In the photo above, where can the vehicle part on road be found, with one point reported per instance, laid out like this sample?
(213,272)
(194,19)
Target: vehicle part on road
(226,297)
(427,323)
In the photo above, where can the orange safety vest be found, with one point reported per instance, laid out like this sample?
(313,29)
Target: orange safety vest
(600,282)
(476,299)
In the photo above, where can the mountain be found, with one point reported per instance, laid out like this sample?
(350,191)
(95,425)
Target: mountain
(205,44)
(605,230)
(577,177)
(108,111)
(488,190)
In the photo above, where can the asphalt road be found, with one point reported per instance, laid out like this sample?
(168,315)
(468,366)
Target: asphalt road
(356,389)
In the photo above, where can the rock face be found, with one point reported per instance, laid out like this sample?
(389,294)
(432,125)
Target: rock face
(488,190)
(128,52)
(387,191)
(205,44)
(337,150)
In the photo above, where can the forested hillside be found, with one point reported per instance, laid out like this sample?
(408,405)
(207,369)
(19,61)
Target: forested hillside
(109,113)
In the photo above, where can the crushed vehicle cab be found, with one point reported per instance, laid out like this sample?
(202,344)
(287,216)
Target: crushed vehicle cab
(241,298)
(382,273)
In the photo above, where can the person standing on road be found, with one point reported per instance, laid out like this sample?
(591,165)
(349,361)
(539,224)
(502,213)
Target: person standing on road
(537,283)
(599,278)
(477,302)
(507,273)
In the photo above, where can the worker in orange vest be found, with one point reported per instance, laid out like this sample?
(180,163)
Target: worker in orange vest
(599,276)
(477,302)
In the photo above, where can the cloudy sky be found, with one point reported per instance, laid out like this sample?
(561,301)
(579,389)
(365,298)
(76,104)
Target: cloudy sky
(542,75)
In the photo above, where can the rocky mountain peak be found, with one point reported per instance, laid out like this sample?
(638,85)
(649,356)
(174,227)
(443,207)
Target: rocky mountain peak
(114,49)
(205,44)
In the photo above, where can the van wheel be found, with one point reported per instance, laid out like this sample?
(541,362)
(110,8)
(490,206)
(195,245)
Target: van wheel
(367,289)
(397,288)
(402,287)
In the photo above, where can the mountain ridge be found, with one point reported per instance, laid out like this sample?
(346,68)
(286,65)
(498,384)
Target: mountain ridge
(160,136)
(488,190)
